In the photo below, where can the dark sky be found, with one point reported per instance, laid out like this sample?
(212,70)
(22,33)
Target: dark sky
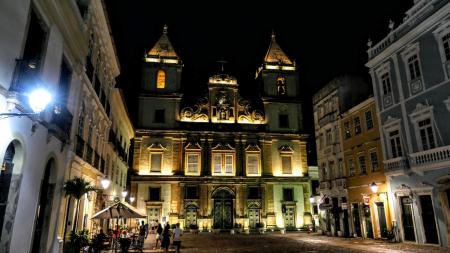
(325,38)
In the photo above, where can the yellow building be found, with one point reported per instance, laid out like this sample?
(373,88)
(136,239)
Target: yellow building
(366,183)
(220,160)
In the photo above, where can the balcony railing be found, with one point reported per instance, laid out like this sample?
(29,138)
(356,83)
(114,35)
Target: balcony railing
(398,163)
(63,122)
(431,158)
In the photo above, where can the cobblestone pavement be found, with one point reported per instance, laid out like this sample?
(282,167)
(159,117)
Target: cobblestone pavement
(290,242)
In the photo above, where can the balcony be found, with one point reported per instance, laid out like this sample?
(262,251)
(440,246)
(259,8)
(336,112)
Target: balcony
(61,123)
(79,148)
(395,165)
(324,185)
(431,159)
(340,183)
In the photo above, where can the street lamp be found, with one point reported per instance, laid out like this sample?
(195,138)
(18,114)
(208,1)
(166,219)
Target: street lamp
(105,183)
(131,199)
(374,187)
(38,100)
(124,193)
(311,199)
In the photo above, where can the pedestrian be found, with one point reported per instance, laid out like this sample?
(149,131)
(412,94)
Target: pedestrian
(146,230)
(158,235)
(142,234)
(99,239)
(165,242)
(177,233)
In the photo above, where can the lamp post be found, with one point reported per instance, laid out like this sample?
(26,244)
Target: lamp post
(37,100)
(124,193)
(374,187)
(105,183)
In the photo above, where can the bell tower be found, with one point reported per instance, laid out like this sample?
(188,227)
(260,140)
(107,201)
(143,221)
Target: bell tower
(160,85)
(279,82)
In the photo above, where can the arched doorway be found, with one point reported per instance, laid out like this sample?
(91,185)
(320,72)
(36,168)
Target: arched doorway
(223,208)
(5,181)
(44,208)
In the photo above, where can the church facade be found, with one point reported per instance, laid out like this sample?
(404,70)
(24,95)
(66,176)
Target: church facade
(221,160)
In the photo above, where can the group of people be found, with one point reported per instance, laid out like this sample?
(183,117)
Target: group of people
(163,235)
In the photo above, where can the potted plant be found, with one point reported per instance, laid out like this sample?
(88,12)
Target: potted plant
(216,228)
(193,228)
(260,227)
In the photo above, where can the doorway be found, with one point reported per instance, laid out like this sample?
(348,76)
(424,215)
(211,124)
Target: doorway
(223,209)
(428,220)
(5,181)
(381,219)
(191,216)
(289,217)
(407,219)
(356,220)
(253,216)
(44,209)
(368,221)
(153,214)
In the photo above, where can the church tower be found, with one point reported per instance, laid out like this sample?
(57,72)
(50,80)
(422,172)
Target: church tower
(161,86)
(278,78)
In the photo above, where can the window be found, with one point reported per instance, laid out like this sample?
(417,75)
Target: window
(159,116)
(386,81)
(340,169)
(193,164)
(362,164)
(369,120)
(253,193)
(223,164)
(374,160)
(191,192)
(446,44)
(288,194)
(396,148)
(253,164)
(35,43)
(283,121)
(357,123)
(315,209)
(154,194)
(426,134)
(329,137)
(351,167)
(161,79)
(156,162)
(348,134)
(413,66)
(64,82)
(281,85)
(286,164)
(321,146)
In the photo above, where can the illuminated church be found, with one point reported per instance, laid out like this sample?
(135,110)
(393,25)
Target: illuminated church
(220,160)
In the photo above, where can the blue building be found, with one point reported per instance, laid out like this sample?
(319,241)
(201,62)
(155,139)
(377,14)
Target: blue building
(410,70)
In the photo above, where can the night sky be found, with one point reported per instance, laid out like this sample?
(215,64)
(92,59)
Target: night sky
(325,38)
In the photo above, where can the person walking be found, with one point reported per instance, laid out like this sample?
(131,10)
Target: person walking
(165,242)
(158,235)
(142,234)
(177,233)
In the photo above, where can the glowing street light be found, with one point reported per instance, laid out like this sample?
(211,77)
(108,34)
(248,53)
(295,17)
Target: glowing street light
(39,99)
(124,193)
(105,183)
(374,187)
(131,199)
(311,199)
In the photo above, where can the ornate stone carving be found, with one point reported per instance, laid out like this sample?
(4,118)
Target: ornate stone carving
(248,114)
(199,112)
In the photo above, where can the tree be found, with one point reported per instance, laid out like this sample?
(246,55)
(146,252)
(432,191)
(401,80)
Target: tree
(76,188)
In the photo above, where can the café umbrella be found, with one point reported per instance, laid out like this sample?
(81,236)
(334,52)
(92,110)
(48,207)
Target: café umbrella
(118,210)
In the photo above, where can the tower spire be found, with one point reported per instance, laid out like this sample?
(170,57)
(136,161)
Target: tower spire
(273,34)
(165,29)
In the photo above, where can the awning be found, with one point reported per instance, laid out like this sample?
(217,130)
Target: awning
(118,210)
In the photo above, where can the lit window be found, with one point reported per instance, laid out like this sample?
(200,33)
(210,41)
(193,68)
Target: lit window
(426,134)
(348,134)
(253,164)
(223,164)
(193,163)
(161,79)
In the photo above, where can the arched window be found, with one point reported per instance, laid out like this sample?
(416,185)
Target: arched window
(281,85)
(161,79)
(5,181)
